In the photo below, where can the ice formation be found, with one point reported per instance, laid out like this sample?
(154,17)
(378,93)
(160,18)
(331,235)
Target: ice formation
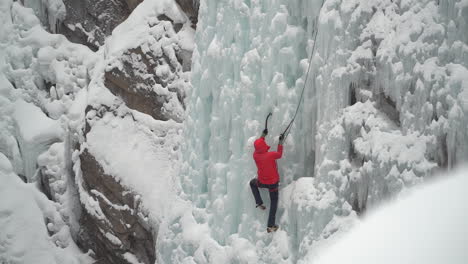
(50,12)
(385,106)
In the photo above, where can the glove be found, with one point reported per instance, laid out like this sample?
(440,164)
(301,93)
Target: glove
(281,139)
(265,132)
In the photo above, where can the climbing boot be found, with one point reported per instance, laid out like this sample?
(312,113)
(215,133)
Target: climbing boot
(261,206)
(272,228)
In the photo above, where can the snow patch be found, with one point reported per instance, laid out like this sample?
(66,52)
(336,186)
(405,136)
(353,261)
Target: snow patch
(427,225)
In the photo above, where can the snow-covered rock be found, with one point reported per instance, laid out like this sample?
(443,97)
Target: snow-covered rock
(89,22)
(147,58)
(120,228)
(131,136)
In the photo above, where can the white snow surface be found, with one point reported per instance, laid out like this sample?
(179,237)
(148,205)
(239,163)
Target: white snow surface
(139,26)
(32,228)
(139,152)
(33,123)
(36,132)
(427,225)
(38,127)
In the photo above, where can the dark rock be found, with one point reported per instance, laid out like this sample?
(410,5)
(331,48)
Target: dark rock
(132,4)
(89,22)
(136,88)
(23,178)
(123,218)
(388,106)
(190,8)
(123,83)
(442,151)
(44,184)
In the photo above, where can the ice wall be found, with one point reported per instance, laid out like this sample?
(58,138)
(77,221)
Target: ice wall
(405,58)
(385,106)
(50,12)
(250,59)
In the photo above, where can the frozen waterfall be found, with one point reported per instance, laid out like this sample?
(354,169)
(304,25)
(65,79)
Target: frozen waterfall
(385,106)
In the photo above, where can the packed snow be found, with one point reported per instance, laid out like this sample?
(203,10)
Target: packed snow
(32,228)
(427,225)
(139,152)
(37,131)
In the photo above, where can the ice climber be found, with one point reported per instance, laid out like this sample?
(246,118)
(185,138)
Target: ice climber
(268,176)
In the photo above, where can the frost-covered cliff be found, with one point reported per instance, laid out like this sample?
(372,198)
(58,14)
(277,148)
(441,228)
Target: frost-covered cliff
(67,113)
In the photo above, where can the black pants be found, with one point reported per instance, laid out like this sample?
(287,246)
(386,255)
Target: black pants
(273,188)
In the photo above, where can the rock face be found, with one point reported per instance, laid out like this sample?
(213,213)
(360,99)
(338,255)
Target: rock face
(136,88)
(150,78)
(89,22)
(123,234)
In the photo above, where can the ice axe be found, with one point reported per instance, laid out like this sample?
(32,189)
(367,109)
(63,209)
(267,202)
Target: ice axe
(265,131)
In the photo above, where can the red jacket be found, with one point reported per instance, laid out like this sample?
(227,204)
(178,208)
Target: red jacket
(266,161)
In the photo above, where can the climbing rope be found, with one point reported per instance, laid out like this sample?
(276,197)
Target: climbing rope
(288,128)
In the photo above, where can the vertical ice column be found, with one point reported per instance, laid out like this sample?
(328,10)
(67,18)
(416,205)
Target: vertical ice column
(250,59)
(50,12)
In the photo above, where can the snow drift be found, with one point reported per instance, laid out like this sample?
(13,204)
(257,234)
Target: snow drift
(32,227)
(427,225)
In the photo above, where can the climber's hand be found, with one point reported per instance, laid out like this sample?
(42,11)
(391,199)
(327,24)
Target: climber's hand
(281,139)
(265,132)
